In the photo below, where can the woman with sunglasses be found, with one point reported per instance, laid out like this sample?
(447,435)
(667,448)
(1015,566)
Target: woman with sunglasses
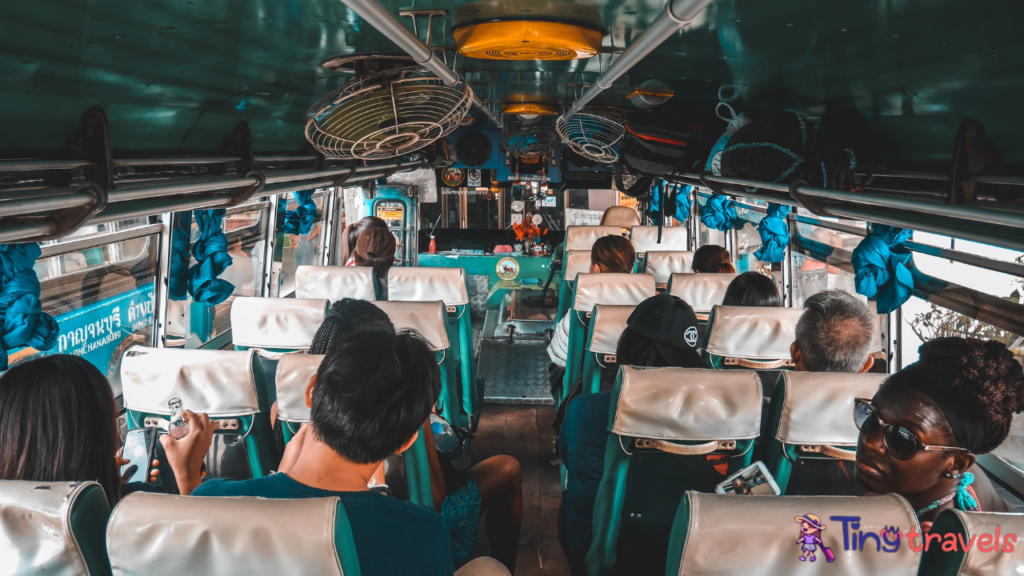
(920,434)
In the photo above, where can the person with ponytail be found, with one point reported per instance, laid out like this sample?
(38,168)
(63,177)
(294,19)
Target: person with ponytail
(921,433)
(350,237)
(713,259)
(376,248)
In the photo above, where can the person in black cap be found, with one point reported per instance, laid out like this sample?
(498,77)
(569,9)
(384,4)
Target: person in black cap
(661,332)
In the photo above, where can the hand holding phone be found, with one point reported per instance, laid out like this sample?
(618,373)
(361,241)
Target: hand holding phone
(137,455)
(752,480)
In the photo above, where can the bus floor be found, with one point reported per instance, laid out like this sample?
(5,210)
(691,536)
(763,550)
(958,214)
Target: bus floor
(525,432)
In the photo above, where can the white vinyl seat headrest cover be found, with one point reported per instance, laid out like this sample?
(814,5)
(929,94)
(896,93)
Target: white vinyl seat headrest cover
(608,324)
(220,383)
(978,562)
(645,238)
(280,323)
(35,527)
(752,332)
(688,404)
(335,282)
(772,547)
(583,237)
(662,265)
(622,216)
(422,284)
(293,374)
(620,289)
(427,318)
(577,262)
(818,407)
(701,291)
(165,534)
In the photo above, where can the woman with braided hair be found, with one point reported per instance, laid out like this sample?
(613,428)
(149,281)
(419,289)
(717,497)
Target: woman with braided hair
(921,433)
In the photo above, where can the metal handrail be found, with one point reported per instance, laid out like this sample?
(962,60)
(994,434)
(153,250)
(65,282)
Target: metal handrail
(96,240)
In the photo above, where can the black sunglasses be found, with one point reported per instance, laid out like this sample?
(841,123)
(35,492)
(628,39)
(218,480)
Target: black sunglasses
(901,443)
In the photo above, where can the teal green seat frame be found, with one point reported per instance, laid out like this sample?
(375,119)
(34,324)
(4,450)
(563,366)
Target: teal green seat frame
(460,333)
(88,522)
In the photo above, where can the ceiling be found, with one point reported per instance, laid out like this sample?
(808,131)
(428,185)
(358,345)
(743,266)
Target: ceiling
(176,76)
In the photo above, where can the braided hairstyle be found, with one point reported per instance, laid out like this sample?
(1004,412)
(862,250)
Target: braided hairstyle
(977,383)
(347,315)
(713,259)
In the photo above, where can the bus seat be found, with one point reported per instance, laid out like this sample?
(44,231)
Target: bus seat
(987,557)
(645,238)
(583,237)
(163,534)
(672,430)
(811,440)
(592,289)
(225,384)
(606,327)
(750,337)
(621,216)
(663,264)
(576,262)
(701,291)
(335,282)
(53,528)
(757,535)
(293,374)
(276,324)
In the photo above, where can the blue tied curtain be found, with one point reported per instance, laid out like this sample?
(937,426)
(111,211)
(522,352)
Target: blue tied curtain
(211,253)
(774,233)
(181,237)
(300,221)
(882,266)
(681,208)
(718,213)
(24,322)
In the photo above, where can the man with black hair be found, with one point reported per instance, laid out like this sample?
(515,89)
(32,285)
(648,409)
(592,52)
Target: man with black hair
(372,392)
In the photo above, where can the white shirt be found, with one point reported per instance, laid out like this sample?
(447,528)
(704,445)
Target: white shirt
(558,350)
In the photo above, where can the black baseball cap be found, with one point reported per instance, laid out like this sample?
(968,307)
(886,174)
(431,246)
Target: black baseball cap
(671,324)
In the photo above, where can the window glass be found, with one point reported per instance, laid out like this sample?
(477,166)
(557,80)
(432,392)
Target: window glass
(481,210)
(294,250)
(812,275)
(707,235)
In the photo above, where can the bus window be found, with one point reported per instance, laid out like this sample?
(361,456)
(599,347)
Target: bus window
(294,250)
(811,275)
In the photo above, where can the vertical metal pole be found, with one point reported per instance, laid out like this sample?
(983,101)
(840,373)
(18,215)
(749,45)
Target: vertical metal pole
(412,241)
(694,222)
(328,227)
(463,210)
(898,341)
(787,268)
(161,289)
(269,238)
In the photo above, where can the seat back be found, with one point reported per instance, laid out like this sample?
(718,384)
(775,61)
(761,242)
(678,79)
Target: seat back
(663,264)
(162,534)
(750,337)
(423,284)
(812,442)
(606,327)
(335,282)
(992,552)
(621,216)
(592,289)
(576,262)
(672,430)
(645,238)
(276,324)
(701,291)
(53,528)
(716,534)
(583,237)
(226,385)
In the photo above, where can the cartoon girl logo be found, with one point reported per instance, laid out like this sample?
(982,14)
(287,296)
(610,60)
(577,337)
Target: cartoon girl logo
(810,538)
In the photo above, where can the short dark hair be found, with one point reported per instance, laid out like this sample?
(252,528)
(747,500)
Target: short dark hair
(373,391)
(58,423)
(835,332)
(752,289)
(712,259)
(613,254)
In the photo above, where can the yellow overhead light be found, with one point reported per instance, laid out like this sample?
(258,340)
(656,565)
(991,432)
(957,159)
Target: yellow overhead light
(530,109)
(527,40)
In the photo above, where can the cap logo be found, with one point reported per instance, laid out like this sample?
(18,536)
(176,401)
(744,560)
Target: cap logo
(691,336)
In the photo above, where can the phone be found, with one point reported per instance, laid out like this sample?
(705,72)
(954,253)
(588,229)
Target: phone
(139,446)
(753,480)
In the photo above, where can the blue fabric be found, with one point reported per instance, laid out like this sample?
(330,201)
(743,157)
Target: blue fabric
(211,253)
(181,237)
(882,267)
(719,214)
(581,445)
(391,536)
(300,221)
(774,233)
(964,500)
(23,320)
(682,208)
(460,512)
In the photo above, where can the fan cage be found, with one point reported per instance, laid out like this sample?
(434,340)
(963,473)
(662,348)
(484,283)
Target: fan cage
(532,143)
(386,114)
(592,135)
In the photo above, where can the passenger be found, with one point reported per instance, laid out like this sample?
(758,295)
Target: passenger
(371,394)
(834,334)
(58,423)
(660,332)
(376,248)
(753,289)
(712,259)
(610,254)
(921,433)
(350,237)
